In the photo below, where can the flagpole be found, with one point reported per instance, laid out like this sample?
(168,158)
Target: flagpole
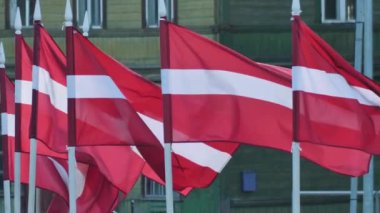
(32,176)
(17,161)
(167,118)
(7,196)
(33,142)
(71,108)
(296,189)
(296,182)
(368,203)
(358,67)
(6,182)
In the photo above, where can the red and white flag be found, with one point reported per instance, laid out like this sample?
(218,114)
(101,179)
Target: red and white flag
(334,104)
(7,122)
(49,109)
(47,176)
(49,88)
(51,172)
(212,93)
(23,86)
(189,169)
(101,113)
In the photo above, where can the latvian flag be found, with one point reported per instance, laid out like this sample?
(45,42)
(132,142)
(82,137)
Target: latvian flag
(334,104)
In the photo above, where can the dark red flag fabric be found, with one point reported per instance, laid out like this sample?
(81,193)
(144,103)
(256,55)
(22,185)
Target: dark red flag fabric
(102,113)
(212,93)
(23,98)
(47,177)
(50,122)
(334,104)
(194,165)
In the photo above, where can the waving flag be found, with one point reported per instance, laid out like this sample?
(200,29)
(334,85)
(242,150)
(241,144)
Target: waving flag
(49,93)
(189,170)
(212,93)
(333,103)
(7,122)
(102,113)
(23,85)
(52,172)
(53,183)
(49,90)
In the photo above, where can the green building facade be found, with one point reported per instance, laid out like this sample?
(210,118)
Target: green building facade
(261,30)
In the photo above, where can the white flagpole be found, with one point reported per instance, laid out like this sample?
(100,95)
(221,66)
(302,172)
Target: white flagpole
(17,162)
(368,203)
(33,143)
(358,66)
(296,182)
(7,196)
(71,149)
(168,178)
(167,146)
(32,176)
(6,183)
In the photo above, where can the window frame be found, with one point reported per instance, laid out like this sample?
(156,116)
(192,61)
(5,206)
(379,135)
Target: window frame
(172,13)
(341,13)
(102,14)
(162,196)
(27,20)
(146,193)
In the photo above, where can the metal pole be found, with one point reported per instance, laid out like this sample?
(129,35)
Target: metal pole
(368,206)
(368,39)
(168,178)
(38,200)
(72,175)
(17,183)
(296,201)
(354,195)
(32,175)
(71,110)
(358,67)
(7,196)
(17,160)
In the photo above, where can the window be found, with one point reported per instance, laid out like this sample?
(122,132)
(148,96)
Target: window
(335,11)
(153,189)
(26,11)
(151,12)
(94,9)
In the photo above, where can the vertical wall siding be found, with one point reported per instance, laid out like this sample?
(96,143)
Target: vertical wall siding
(2,14)
(196,12)
(53,13)
(124,14)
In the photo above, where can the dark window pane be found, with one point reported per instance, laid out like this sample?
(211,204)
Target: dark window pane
(331,9)
(96,13)
(152,12)
(26,9)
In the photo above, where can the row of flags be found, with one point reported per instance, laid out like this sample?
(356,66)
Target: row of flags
(212,99)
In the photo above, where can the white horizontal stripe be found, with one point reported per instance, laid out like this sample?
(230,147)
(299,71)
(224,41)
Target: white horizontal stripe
(2,66)
(202,154)
(45,84)
(331,84)
(155,126)
(93,86)
(80,175)
(220,82)
(198,153)
(8,124)
(23,92)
